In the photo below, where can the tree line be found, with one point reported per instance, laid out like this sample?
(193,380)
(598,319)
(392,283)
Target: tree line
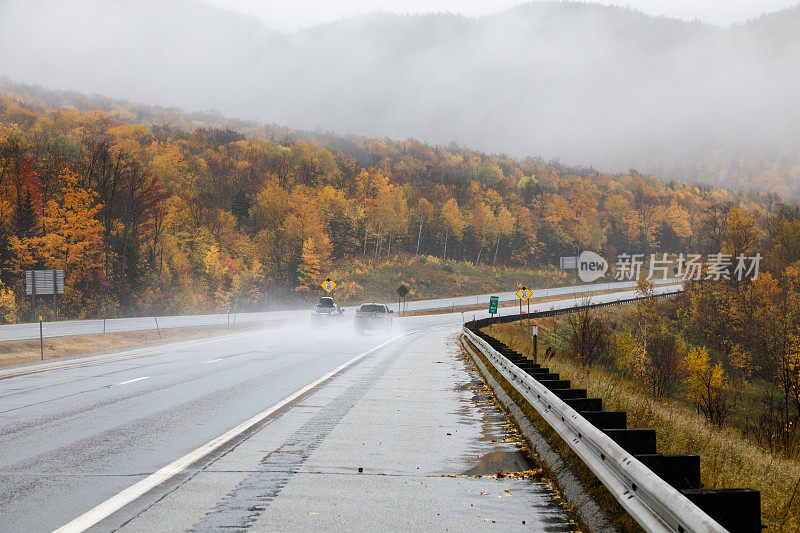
(152,218)
(730,347)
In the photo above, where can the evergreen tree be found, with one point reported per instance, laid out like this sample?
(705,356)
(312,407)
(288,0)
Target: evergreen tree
(240,207)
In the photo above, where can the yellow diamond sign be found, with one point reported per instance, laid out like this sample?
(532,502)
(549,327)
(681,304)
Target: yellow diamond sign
(524,293)
(328,285)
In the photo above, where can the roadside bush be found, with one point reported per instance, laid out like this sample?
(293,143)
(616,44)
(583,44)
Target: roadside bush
(665,353)
(588,339)
(771,430)
(657,365)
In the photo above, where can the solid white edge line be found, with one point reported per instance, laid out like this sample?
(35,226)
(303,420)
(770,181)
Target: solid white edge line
(120,500)
(132,380)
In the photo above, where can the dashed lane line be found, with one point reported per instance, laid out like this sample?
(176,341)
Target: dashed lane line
(133,380)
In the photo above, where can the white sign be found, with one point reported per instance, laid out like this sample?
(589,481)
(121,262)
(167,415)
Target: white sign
(41,282)
(568,263)
(535,330)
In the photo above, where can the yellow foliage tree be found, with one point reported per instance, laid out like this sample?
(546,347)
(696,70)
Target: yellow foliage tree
(742,235)
(706,385)
(453,222)
(71,239)
(310,272)
(72,236)
(8,306)
(632,358)
(679,220)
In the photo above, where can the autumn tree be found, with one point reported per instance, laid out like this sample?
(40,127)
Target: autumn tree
(706,386)
(71,239)
(453,222)
(390,215)
(424,214)
(342,217)
(658,352)
(9,312)
(505,227)
(310,271)
(742,235)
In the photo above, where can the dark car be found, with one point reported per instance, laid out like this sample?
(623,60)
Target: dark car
(326,311)
(373,316)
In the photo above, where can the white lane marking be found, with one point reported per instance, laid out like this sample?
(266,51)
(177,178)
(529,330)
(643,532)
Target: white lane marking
(117,502)
(213,360)
(132,380)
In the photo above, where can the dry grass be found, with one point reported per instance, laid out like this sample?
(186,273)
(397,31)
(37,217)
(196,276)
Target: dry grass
(20,352)
(728,458)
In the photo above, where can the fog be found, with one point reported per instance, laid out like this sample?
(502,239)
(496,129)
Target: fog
(590,85)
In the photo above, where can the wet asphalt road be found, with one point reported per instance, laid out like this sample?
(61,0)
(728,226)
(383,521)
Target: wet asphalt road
(12,332)
(72,437)
(407,439)
(75,433)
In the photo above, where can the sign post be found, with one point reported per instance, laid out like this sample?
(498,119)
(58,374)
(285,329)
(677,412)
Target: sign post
(402,292)
(535,333)
(524,293)
(41,338)
(44,282)
(569,263)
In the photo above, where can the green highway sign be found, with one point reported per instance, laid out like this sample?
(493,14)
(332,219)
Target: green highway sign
(493,301)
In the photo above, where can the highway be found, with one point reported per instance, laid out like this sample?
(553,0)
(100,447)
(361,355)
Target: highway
(76,435)
(27,331)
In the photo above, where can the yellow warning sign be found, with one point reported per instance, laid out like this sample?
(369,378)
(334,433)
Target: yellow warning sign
(328,285)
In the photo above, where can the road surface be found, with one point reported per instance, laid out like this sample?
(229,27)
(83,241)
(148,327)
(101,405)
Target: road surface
(65,328)
(76,434)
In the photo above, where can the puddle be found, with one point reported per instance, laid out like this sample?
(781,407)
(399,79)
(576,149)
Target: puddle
(500,448)
(502,462)
(501,451)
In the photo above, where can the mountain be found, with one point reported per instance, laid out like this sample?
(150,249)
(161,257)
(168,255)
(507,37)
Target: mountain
(588,84)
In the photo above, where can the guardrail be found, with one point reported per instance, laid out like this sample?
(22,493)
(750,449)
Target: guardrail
(655,504)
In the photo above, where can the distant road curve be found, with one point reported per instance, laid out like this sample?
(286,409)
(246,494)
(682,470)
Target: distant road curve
(67,328)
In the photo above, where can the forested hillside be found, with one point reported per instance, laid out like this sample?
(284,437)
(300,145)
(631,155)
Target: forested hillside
(154,218)
(589,84)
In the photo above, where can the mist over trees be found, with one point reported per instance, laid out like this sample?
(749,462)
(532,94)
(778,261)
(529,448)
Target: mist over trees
(591,85)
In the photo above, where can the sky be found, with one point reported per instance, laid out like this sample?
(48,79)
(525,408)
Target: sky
(289,16)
